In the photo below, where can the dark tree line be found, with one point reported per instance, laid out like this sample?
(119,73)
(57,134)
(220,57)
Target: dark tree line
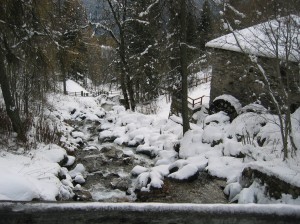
(41,43)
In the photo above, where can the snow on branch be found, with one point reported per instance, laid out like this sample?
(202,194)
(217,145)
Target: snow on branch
(146,50)
(238,13)
(188,46)
(137,20)
(148,9)
(112,34)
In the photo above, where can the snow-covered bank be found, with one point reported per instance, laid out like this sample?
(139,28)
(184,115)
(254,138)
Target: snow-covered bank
(31,175)
(35,173)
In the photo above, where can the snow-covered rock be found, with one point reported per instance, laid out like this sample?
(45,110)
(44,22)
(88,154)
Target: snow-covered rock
(79,179)
(137,170)
(79,169)
(218,118)
(186,173)
(233,148)
(212,135)
(232,190)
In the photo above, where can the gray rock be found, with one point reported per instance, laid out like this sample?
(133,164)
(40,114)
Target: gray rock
(112,152)
(82,195)
(122,184)
(94,162)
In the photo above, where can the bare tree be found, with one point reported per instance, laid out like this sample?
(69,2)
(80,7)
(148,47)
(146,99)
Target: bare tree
(130,26)
(119,14)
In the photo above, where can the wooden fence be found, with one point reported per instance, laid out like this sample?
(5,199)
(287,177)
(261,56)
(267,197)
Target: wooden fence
(94,94)
(196,102)
(197,82)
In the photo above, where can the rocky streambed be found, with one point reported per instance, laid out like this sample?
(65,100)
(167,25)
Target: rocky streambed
(130,157)
(109,179)
(108,175)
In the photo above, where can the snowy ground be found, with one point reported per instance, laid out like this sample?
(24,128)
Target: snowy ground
(213,146)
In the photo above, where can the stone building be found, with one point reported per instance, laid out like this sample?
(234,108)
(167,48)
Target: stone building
(241,59)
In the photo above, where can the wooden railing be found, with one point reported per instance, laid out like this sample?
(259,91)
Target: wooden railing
(84,94)
(197,101)
(77,93)
(197,82)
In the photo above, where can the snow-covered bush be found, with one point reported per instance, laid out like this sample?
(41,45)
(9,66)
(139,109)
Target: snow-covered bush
(246,127)
(43,130)
(218,118)
(232,148)
(255,108)
(215,129)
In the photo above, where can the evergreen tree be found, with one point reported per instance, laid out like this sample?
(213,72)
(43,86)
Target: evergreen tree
(31,33)
(179,47)
(70,24)
(144,49)
(205,26)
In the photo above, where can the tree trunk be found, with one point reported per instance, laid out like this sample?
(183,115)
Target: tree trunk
(124,79)
(63,70)
(131,92)
(11,109)
(26,96)
(124,90)
(183,65)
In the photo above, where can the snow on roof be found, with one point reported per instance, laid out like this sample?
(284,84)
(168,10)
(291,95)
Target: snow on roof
(263,39)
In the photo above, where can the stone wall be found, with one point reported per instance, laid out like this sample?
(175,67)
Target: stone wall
(275,187)
(233,73)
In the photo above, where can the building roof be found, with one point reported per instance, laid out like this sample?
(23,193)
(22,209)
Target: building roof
(280,35)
